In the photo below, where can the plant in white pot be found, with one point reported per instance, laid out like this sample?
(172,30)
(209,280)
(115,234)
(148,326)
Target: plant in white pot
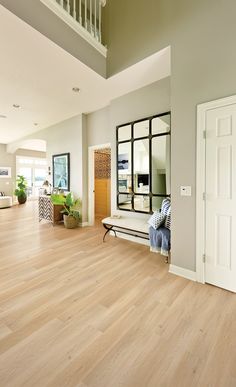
(71,211)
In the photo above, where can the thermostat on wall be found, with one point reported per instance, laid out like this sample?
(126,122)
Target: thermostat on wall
(186,190)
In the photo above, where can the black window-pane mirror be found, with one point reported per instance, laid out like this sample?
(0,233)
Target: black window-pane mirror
(124,167)
(143,163)
(161,165)
(156,202)
(125,201)
(141,129)
(142,203)
(141,166)
(124,133)
(161,124)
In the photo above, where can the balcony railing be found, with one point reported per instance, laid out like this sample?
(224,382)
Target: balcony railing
(83,16)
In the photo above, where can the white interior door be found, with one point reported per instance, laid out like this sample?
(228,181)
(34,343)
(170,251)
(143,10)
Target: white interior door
(220,205)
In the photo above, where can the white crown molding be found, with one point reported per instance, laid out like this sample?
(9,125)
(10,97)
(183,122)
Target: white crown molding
(71,22)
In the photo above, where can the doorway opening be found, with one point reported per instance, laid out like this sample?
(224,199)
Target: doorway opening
(99,183)
(35,171)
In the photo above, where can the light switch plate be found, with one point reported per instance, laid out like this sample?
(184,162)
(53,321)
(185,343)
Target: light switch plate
(186,190)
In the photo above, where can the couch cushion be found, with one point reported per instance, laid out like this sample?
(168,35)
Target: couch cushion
(5,201)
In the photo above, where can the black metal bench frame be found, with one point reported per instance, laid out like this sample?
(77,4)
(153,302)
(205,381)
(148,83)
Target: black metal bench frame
(127,231)
(124,230)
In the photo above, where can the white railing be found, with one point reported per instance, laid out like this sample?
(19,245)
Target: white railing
(84,16)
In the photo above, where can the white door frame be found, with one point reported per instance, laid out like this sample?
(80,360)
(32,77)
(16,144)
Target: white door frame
(200,180)
(91,187)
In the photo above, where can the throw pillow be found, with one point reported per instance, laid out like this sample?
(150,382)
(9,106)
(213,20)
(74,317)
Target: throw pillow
(156,220)
(168,219)
(165,206)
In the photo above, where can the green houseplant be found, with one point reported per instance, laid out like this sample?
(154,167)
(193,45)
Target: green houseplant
(20,191)
(71,209)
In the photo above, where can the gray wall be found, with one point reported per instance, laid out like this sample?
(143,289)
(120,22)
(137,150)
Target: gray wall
(37,15)
(145,102)
(69,136)
(98,126)
(9,160)
(134,30)
(203,62)
(101,125)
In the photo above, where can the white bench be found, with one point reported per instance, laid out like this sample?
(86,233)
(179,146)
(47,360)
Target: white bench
(130,226)
(5,201)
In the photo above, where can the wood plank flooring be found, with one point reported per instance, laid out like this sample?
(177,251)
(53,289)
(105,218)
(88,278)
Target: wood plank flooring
(76,312)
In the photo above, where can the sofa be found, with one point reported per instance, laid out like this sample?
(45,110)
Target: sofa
(5,201)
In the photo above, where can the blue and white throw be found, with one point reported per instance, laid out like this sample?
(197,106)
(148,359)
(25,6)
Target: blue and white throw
(160,236)
(160,240)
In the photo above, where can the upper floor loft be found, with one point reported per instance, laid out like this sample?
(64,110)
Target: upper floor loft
(74,25)
(84,17)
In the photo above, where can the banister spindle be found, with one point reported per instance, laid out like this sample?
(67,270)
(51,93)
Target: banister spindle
(91,16)
(85,14)
(74,9)
(80,12)
(100,22)
(68,6)
(88,13)
(95,18)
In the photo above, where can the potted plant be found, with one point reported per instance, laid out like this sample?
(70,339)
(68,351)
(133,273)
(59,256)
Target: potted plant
(71,211)
(71,208)
(20,191)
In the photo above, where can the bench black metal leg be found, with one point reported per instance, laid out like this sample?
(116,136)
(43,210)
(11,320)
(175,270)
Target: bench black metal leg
(123,230)
(107,231)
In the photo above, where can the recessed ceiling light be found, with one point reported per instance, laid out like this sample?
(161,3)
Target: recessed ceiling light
(35,124)
(16,106)
(76,89)
(3,116)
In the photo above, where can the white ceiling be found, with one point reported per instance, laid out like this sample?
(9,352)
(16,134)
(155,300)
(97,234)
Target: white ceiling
(38,75)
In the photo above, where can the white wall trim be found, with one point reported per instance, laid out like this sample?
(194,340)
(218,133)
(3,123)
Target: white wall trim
(131,238)
(91,187)
(71,22)
(200,179)
(84,224)
(180,271)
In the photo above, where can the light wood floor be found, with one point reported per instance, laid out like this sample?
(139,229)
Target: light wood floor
(80,313)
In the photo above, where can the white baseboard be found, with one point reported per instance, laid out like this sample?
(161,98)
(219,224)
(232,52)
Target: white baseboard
(180,271)
(131,238)
(84,224)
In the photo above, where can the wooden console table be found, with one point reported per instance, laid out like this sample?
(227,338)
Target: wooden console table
(49,211)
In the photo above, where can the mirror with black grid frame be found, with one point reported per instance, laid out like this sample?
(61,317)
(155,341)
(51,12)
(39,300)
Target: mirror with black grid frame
(143,163)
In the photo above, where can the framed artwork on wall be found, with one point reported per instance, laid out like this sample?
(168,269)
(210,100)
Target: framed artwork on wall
(5,172)
(61,171)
